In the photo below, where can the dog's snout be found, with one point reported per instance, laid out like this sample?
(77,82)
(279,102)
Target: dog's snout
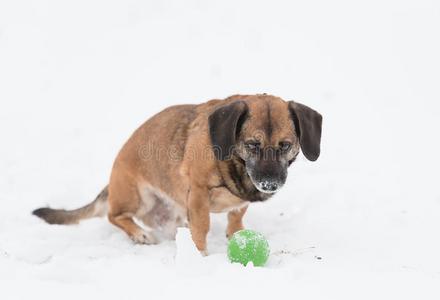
(269,186)
(267,176)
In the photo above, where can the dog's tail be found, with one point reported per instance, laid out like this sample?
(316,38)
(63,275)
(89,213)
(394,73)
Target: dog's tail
(98,208)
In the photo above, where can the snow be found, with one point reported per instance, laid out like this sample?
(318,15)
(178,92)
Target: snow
(76,78)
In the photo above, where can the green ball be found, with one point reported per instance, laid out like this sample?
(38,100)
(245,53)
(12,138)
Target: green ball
(248,245)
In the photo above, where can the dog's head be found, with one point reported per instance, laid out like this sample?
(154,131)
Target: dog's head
(267,133)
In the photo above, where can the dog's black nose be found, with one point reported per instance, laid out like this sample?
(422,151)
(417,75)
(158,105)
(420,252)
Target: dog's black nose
(269,186)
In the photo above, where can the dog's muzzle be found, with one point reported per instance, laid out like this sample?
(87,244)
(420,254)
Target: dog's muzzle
(267,186)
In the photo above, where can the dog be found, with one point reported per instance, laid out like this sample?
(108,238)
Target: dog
(190,160)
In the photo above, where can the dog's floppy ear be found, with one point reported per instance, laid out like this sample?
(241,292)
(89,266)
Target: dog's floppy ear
(224,126)
(308,124)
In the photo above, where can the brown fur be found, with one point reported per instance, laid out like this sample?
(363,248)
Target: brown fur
(167,173)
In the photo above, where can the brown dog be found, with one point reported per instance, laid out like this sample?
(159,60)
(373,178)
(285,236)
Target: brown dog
(190,160)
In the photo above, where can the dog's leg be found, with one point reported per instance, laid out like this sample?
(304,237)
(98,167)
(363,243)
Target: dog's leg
(198,216)
(136,233)
(235,221)
(124,203)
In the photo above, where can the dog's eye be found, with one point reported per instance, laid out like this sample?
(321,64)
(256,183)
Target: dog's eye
(253,146)
(285,146)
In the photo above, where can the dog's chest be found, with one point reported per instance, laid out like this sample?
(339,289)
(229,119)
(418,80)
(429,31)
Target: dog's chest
(222,200)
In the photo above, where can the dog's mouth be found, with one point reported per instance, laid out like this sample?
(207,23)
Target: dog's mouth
(268,178)
(267,186)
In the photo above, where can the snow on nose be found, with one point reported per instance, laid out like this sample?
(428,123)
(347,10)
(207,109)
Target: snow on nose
(268,186)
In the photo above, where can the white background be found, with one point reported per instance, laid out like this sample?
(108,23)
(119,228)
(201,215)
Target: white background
(77,77)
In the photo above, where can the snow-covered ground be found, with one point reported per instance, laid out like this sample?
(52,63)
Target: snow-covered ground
(77,77)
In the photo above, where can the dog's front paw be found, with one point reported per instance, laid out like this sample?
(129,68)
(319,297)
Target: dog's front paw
(231,230)
(144,237)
